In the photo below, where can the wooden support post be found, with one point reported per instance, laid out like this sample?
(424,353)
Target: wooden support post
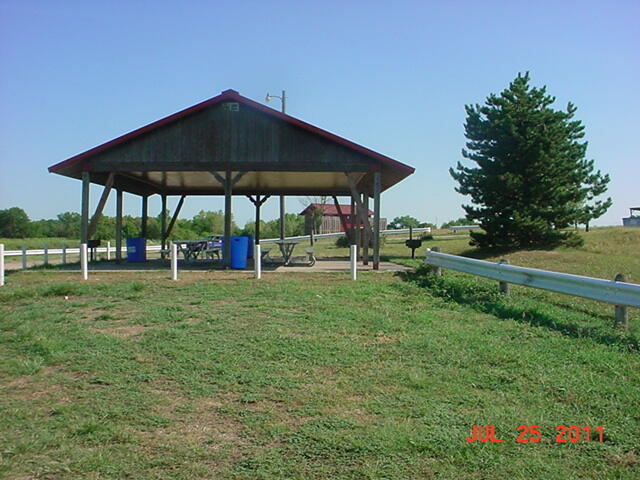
(103,200)
(174,219)
(118,226)
(437,270)
(352,221)
(282,218)
(343,219)
(504,286)
(622,315)
(227,219)
(84,222)
(377,188)
(46,254)
(358,227)
(64,254)
(24,256)
(258,202)
(144,217)
(163,227)
(366,232)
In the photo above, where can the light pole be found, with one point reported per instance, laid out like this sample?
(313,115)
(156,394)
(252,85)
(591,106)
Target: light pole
(283,100)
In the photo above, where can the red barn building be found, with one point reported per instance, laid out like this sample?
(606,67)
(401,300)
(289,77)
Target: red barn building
(331,222)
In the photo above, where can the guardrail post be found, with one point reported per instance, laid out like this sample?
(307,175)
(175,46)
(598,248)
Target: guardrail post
(504,286)
(174,261)
(354,262)
(108,251)
(437,271)
(1,264)
(84,261)
(24,256)
(64,254)
(46,254)
(257,261)
(622,315)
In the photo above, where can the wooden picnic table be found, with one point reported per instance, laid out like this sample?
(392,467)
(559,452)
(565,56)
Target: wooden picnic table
(286,248)
(192,249)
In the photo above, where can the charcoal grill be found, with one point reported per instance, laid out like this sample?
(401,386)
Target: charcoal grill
(413,243)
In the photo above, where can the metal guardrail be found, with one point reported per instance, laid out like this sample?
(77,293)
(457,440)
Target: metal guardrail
(455,228)
(615,292)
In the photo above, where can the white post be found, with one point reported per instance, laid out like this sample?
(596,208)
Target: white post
(1,264)
(257,261)
(174,261)
(64,254)
(108,251)
(83,261)
(24,256)
(46,254)
(354,262)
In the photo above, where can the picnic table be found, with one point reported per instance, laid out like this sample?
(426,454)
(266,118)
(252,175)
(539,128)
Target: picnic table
(286,248)
(192,249)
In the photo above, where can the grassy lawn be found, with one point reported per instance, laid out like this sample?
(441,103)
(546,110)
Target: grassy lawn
(300,376)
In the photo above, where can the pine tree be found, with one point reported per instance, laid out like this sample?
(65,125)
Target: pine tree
(532,179)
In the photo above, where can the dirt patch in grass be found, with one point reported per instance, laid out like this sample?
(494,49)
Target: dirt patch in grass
(125,331)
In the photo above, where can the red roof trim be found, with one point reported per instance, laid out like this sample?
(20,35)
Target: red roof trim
(225,96)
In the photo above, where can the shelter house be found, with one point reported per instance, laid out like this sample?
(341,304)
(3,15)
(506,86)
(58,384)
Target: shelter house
(633,220)
(231,146)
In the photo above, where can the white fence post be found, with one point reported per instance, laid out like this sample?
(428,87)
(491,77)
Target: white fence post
(24,256)
(1,264)
(108,251)
(257,261)
(83,261)
(46,254)
(174,261)
(64,254)
(354,262)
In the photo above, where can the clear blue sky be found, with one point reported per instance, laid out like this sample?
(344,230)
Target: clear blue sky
(393,76)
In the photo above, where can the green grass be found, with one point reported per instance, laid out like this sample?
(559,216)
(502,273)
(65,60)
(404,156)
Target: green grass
(299,376)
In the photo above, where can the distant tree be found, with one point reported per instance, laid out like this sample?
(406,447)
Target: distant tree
(405,221)
(457,221)
(209,223)
(14,223)
(532,179)
(68,225)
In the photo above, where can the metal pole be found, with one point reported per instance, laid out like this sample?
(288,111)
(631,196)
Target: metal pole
(257,261)
(1,264)
(504,286)
(83,261)
(24,256)
(354,262)
(622,315)
(282,206)
(174,261)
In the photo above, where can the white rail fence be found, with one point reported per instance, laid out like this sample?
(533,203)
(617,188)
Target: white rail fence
(616,292)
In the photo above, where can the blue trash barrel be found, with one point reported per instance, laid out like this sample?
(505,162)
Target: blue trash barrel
(239,252)
(136,249)
(249,246)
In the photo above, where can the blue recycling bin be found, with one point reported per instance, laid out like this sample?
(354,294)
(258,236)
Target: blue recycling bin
(136,249)
(239,252)
(249,246)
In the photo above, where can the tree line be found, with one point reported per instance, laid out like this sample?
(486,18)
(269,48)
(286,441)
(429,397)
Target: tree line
(15,223)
